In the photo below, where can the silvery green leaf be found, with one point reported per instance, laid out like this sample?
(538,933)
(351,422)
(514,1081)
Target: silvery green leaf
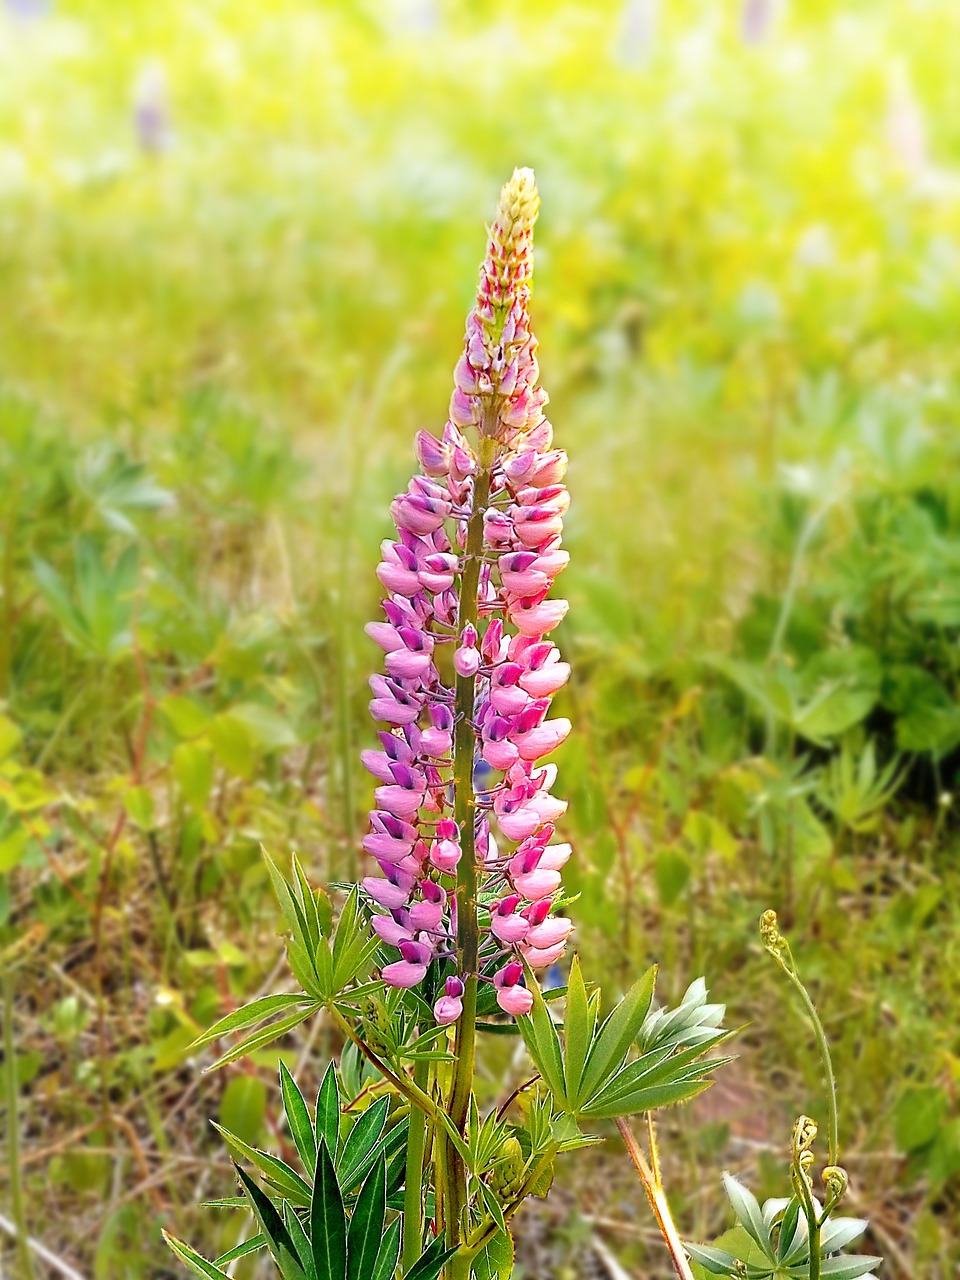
(837,1233)
(748,1213)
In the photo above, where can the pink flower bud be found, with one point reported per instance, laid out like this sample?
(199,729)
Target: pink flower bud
(466,662)
(511,996)
(432,454)
(447,1009)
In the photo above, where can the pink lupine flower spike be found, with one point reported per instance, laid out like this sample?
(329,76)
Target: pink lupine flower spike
(470,871)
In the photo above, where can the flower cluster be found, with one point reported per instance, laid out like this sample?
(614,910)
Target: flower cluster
(467,612)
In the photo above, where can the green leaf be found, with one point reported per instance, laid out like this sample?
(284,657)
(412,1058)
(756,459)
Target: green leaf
(389,1253)
(264,1036)
(747,1209)
(849,1267)
(298,1118)
(193,770)
(671,870)
(253,1245)
(716,1261)
(10,736)
(308,903)
(289,904)
(300,1241)
(495,1259)
(138,802)
(917,1116)
(837,1233)
(328,1221)
(186,718)
(272,1225)
(580,1020)
(491,1204)
(617,1034)
(328,1110)
(543,1043)
(366,1225)
(243,1107)
(431,1262)
(286,1180)
(791,1230)
(199,1266)
(256,1011)
(361,1140)
(354,944)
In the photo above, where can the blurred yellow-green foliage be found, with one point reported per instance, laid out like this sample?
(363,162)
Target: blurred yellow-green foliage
(237,244)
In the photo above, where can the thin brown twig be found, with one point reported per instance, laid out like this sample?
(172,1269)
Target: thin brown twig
(658,1202)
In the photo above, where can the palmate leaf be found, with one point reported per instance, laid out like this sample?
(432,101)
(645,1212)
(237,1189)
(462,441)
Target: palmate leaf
(391,1145)
(589,1075)
(669,1082)
(250,1015)
(789,1256)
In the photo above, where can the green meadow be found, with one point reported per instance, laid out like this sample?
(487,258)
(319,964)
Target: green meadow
(217,340)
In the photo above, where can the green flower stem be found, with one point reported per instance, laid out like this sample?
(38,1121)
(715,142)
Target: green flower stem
(414,1180)
(10,1090)
(468,932)
(789,967)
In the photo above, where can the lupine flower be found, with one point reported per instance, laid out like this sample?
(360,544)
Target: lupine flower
(28,10)
(151,109)
(757,19)
(494,461)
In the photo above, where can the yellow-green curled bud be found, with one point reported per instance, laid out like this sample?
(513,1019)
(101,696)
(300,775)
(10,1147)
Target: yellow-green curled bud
(835,1184)
(770,935)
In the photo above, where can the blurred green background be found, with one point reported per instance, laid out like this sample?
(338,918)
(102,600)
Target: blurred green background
(237,245)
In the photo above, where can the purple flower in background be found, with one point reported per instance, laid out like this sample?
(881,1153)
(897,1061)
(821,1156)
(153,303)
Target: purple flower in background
(151,109)
(757,19)
(468,671)
(28,10)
